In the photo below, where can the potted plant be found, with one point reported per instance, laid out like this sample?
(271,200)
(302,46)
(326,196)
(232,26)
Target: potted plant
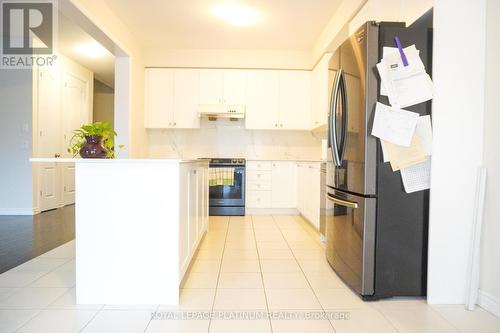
(94,140)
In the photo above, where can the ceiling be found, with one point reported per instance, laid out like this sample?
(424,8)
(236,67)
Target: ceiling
(71,37)
(191,24)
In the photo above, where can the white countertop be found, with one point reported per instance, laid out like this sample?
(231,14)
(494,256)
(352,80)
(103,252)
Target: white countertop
(287,160)
(112,160)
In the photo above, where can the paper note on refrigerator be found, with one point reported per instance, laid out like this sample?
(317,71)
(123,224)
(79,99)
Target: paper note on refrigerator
(404,85)
(401,157)
(417,177)
(424,133)
(394,125)
(385,153)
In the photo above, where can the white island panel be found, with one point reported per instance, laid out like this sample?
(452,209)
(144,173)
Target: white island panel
(127,233)
(138,225)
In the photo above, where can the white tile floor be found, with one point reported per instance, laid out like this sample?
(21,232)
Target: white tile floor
(258,263)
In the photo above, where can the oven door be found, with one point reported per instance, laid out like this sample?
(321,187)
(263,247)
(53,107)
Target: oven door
(350,239)
(226,195)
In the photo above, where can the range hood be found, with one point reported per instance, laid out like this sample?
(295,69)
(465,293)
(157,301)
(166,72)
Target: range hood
(214,111)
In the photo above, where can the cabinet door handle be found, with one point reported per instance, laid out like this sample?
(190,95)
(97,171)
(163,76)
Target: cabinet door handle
(175,124)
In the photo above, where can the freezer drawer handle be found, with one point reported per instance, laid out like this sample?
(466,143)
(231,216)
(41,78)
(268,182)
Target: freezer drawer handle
(342,202)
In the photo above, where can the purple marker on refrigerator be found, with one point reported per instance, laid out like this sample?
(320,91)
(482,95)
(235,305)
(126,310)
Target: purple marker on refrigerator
(400,48)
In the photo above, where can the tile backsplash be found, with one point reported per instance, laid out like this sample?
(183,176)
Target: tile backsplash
(223,138)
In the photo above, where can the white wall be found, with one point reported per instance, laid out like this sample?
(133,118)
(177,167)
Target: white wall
(107,28)
(490,263)
(16,142)
(104,100)
(275,59)
(353,13)
(458,74)
(229,139)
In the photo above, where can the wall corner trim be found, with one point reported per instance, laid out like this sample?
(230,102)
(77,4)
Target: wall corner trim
(489,303)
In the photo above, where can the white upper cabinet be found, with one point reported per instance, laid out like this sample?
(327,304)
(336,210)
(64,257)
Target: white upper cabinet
(223,86)
(262,100)
(235,85)
(159,97)
(320,93)
(278,100)
(211,86)
(273,99)
(172,98)
(186,98)
(295,100)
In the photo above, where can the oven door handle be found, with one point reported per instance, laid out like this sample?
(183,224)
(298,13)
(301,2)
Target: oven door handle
(342,202)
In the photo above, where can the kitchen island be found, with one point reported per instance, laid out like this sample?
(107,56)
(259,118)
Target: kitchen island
(138,224)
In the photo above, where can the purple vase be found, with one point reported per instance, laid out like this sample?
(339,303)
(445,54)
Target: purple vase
(93,148)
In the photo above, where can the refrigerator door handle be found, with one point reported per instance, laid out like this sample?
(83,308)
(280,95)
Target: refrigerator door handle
(342,202)
(332,135)
(345,114)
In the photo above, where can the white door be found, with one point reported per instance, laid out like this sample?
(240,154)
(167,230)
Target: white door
(283,185)
(76,111)
(49,129)
(184,218)
(262,100)
(200,200)
(295,100)
(159,98)
(193,209)
(315,178)
(308,191)
(68,178)
(49,116)
(235,82)
(300,188)
(186,98)
(49,185)
(75,107)
(211,86)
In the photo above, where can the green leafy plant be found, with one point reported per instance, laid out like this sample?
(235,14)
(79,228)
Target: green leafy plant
(102,129)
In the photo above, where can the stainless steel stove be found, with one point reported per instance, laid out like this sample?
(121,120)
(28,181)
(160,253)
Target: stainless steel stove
(228,199)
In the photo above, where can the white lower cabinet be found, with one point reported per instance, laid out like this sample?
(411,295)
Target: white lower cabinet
(271,184)
(309,191)
(193,211)
(283,193)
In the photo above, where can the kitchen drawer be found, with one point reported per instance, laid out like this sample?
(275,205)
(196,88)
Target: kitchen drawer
(258,199)
(259,165)
(260,176)
(256,185)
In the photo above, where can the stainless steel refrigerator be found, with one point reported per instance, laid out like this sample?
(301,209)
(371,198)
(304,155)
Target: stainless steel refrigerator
(377,234)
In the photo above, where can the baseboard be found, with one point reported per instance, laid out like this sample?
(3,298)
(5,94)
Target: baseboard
(17,211)
(271,211)
(489,303)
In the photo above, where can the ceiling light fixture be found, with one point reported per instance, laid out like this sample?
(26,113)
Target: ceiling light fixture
(92,50)
(236,14)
